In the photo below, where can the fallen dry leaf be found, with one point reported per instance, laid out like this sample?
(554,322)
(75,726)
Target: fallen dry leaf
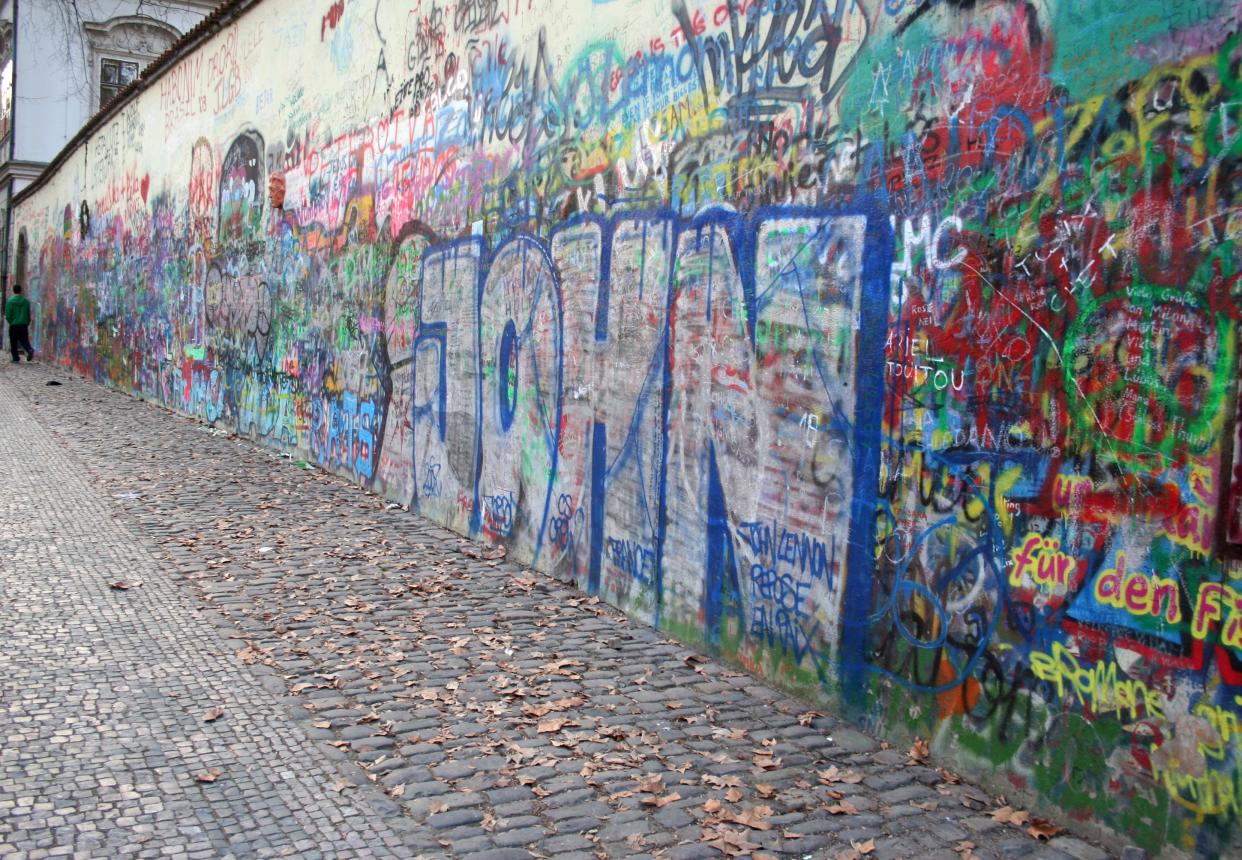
(249,655)
(653,784)
(555,725)
(765,791)
(971,801)
(661,802)
(398,791)
(925,805)
(842,808)
(765,761)
(322,724)
(1043,830)
(487,555)
(438,806)
(752,818)
(712,805)
(122,585)
(548,707)
(863,847)
(835,774)
(212,715)
(733,795)
(1009,815)
(918,751)
(209,775)
(727,841)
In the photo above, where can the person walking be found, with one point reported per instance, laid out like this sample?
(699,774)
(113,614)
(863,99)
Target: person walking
(17,313)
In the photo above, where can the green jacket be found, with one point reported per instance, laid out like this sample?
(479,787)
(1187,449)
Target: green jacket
(17,310)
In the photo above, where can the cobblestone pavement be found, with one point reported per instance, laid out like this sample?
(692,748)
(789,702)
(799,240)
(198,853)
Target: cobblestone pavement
(500,713)
(103,695)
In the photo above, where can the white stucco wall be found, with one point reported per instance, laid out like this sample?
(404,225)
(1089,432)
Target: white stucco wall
(55,92)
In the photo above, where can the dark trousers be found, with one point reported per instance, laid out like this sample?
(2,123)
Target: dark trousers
(19,341)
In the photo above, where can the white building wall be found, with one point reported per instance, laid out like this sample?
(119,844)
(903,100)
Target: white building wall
(56,67)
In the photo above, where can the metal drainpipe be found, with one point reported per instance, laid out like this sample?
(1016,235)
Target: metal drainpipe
(8,203)
(4,255)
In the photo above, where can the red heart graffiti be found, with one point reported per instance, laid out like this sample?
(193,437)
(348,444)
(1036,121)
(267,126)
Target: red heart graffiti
(146,186)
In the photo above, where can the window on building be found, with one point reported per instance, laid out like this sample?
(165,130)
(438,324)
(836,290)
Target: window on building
(114,76)
(6,77)
(121,47)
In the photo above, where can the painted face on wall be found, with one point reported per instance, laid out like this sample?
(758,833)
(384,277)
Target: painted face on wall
(201,191)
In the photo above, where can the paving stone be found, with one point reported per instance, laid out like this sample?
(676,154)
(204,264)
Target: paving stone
(886,781)
(129,715)
(616,831)
(517,807)
(593,809)
(692,851)
(455,818)
(852,741)
(469,844)
(505,795)
(905,794)
(453,770)
(521,836)
(944,831)
(1078,849)
(558,845)
(500,854)
(240,550)
(577,825)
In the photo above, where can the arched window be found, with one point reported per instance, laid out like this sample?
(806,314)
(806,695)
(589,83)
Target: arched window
(121,48)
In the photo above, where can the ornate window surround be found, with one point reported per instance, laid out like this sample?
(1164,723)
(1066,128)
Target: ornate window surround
(129,38)
(6,80)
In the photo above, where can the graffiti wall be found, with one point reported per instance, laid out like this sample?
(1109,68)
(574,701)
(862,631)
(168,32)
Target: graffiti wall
(885,347)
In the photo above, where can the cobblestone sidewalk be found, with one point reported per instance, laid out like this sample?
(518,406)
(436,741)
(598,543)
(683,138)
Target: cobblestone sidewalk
(103,694)
(502,714)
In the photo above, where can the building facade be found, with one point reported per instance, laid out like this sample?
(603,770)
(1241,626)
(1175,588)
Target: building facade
(60,62)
